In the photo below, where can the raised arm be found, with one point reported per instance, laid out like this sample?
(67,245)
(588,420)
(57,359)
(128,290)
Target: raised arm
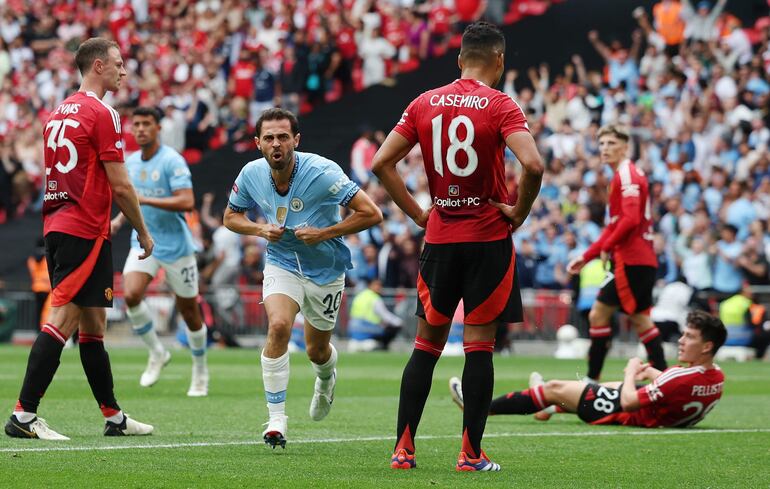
(601,48)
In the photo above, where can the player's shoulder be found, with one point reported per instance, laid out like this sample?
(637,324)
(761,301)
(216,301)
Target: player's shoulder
(101,109)
(256,169)
(171,156)
(679,374)
(315,164)
(628,168)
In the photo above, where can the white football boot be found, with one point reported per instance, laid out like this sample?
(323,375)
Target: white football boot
(275,433)
(37,428)
(199,385)
(129,427)
(154,365)
(322,400)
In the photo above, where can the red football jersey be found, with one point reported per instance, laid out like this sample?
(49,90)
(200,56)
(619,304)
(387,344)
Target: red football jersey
(461,128)
(680,396)
(628,236)
(80,135)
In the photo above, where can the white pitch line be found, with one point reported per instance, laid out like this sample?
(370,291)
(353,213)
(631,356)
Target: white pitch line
(574,434)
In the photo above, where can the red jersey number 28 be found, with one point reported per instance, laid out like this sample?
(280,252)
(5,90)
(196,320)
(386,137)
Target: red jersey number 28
(455,145)
(58,127)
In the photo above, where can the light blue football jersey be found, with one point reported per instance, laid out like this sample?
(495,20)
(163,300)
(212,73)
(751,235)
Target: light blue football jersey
(160,176)
(316,190)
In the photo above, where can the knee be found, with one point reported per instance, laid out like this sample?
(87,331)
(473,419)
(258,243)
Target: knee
(188,312)
(133,298)
(597,318)
(279,331)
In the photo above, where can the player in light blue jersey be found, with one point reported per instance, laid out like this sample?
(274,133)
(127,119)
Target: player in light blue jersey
(163,184)
(300,195)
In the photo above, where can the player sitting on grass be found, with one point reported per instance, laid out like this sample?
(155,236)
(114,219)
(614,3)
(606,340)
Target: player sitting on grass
(676,397)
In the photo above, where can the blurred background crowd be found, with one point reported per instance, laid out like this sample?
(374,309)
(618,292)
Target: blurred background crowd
(693,86)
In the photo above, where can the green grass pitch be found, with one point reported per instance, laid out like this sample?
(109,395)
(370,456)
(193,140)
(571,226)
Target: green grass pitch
(216,442)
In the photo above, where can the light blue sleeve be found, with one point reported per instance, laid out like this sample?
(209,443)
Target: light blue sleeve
(178,173)
(241,198)
(339,189)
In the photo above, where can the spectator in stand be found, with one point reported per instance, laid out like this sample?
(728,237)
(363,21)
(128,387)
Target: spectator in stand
(669,23)
(728,277)
(374,50)
(753,262)
(700,22)
(12,181)
(361,156)
(264,87)
(623,64)
(552,252)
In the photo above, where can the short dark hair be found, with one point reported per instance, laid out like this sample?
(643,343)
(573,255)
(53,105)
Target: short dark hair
(277,114)
(481,41)
(732,228)
(711,328)
(92,49)
(150,111)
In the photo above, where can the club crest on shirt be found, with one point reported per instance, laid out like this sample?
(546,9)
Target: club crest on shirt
(108,294)
(280,215)
(155,176)
(297,204)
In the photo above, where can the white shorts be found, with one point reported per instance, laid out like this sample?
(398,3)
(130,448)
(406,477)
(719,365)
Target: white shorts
(181,276)
(318,303)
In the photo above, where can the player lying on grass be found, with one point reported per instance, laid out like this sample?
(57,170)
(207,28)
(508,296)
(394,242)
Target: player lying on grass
(676,397)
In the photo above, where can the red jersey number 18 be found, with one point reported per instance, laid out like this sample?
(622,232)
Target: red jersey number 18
(455,145)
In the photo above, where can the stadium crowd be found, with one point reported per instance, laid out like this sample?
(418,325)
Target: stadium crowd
(693,87)
(211,65)
(696,97)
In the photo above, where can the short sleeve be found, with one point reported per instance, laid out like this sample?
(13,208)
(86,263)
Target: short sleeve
(407,125)
(240,199)
(663,387)
(179,174)
(339,189)
(108,135)
(511,117)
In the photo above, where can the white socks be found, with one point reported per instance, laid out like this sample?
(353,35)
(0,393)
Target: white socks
(23,416)
(140,318)
(275,376)
(115,418)
(324,372)
(197,341)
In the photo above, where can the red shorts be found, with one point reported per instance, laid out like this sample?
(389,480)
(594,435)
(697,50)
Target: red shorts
(80,270)
(482,274)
